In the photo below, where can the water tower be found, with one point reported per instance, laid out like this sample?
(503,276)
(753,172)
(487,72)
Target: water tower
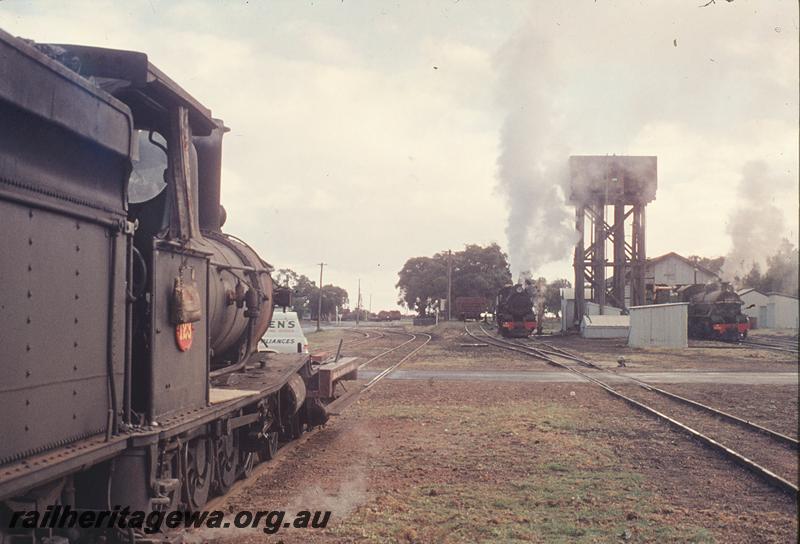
(610,194)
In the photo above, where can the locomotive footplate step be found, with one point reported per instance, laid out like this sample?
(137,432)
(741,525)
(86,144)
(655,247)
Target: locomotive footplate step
(240,389)
(278,368)
(217,395)
(264,373)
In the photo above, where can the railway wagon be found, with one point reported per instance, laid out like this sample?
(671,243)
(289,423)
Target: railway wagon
(129,319)
(515,313)
(471,307)
(388,315)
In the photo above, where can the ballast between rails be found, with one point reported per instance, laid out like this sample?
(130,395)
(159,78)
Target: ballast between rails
(561,352)
(336,407)
(784,346)
(770,477)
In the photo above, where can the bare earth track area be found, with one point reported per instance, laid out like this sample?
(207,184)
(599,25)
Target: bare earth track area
(493,461)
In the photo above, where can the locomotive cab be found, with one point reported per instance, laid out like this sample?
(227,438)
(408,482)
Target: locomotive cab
(113,209)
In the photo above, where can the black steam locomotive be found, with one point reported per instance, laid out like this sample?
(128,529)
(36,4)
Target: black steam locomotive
(129,320)
(515,313)
(715,311)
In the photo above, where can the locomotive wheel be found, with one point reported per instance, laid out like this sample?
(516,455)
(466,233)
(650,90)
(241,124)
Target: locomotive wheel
(198,468)
(227,463)
(297,426)
(271,445)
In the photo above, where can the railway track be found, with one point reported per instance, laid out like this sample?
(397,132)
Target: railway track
(403,352)
(777,344)
(369,336)
(776,453)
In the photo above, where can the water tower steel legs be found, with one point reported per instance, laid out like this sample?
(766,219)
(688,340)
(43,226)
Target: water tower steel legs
(628,261)
(638,258)
(618,288)
(577,263)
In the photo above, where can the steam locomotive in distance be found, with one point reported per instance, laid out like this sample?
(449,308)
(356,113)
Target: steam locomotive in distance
(129,319)
(715,310)
(515,311)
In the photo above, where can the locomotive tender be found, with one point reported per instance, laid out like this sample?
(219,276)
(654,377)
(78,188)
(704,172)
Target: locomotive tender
(515,314)
(129,321)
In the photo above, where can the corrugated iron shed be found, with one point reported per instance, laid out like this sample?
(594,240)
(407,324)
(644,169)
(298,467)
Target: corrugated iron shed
(659,325)
(605,326)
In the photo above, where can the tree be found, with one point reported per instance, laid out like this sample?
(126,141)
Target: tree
(781,274)
(752,278)
(305,293)
(714,265)
(476,272)
(333,297)
(422,283)
(552,296)
(480,271)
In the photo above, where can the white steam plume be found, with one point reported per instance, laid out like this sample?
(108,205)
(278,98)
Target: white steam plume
(756,226)
(533,161)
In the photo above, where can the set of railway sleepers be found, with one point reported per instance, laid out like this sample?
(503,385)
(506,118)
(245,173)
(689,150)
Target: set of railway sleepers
(782,453)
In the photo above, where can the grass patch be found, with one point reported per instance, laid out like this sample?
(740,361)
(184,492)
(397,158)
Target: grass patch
(578,506)
(516,471)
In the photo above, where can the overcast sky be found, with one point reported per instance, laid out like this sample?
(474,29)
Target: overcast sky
(367,132)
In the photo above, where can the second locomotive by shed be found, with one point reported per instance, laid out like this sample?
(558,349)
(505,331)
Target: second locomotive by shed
(715,311)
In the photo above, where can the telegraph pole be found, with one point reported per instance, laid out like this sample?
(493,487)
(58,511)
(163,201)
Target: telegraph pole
(358,301)
(449,282)
(319,298)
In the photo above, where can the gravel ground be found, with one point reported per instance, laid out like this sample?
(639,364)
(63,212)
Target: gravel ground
(773,406)
(446,461)
(775,456)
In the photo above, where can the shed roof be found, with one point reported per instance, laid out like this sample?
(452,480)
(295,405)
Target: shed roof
(655,306)
(673,255)
(743,292)
(776,294)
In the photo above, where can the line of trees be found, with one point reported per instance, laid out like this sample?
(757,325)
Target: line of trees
(781,274)
(477,271)
(305,294)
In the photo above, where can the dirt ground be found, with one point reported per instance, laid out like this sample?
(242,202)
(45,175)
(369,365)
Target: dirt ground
(453,349)
(445,461)
(773,406)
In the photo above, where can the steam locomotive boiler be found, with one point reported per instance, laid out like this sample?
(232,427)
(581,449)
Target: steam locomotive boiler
(715,311)
(129,320)
(515,313)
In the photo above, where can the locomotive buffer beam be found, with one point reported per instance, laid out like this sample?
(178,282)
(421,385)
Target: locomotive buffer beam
(330,373)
